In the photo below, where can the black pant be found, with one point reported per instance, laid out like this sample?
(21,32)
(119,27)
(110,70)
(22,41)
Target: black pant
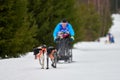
(63,45)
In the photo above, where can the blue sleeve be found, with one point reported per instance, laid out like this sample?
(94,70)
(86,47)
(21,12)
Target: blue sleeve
(56,30)
(71,30)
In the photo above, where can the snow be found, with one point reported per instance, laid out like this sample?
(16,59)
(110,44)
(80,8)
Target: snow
(91,61)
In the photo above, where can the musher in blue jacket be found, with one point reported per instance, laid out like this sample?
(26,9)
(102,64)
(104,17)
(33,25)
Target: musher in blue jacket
(63,27)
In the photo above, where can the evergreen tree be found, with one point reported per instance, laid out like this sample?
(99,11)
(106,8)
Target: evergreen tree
(94,21)
(89,23)
(15,28)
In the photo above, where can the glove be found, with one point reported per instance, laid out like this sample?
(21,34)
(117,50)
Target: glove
(72,38)
(56,39)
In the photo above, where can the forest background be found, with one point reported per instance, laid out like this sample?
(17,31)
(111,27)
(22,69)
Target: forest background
(25,24)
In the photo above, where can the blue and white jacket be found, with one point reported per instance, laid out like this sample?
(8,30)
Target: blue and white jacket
(59,28)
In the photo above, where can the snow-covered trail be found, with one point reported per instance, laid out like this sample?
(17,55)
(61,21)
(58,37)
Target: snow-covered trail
(87,65)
